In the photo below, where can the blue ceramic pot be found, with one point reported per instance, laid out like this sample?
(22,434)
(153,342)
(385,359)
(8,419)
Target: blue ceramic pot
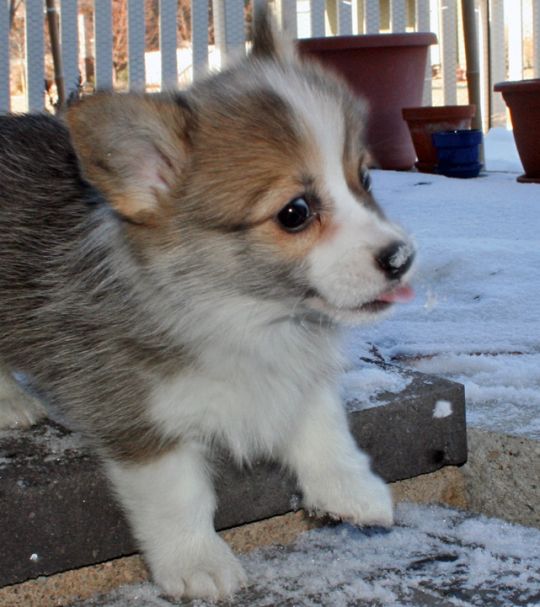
(458,152)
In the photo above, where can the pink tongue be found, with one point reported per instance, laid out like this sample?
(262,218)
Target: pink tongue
(398,295)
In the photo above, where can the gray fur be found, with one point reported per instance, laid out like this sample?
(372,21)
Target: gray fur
(70,311)
(86,312)
(91,303)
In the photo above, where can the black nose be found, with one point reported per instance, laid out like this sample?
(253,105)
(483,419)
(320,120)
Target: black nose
(395,259)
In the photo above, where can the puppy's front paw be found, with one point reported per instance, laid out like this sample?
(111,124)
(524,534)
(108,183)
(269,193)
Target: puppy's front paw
(360,499)
(210,571)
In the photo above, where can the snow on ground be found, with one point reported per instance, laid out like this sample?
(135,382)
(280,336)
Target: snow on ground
(501,151)
(434,556)
(361,388)
(476,316)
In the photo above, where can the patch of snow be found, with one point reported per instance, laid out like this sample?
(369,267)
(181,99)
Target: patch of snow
(443,408)
(501,152)
(50,442)
(295,503)
(432,556)
(432,300)
(363,385)
(476,317)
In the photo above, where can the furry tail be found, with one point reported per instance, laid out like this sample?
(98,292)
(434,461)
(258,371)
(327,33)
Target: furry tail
(268,42)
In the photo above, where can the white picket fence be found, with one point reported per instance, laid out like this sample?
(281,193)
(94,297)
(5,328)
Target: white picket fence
(508,38)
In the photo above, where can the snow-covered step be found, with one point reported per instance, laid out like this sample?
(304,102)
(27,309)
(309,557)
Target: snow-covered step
(433,557)
(57,512)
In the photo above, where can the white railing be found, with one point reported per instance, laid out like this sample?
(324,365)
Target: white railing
(508,32)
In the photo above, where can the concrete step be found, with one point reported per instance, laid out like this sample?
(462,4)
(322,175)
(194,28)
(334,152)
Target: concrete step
(445,486)
(57,512)
(502,476)
(434,556)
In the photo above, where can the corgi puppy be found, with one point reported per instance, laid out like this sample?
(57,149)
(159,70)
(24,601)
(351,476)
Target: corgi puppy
(175,269)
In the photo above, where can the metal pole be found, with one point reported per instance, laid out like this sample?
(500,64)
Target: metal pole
(473,62)
(52,20)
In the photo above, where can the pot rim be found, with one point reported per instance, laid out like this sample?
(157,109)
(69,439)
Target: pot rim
(457,138)
(337,43)
(529,85)
(431,113)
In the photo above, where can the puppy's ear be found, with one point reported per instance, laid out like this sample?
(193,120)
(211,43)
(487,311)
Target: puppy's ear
(268,42)
(132,148)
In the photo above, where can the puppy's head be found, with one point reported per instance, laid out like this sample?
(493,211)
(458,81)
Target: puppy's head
(254,182)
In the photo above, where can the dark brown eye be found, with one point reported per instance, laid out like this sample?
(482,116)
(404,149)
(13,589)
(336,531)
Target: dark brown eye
(365,179)
(296,215)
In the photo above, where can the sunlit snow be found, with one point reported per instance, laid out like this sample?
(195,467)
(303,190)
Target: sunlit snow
(476,316)
(433,556)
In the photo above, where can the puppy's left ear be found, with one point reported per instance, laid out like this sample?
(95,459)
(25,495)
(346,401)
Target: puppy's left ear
(132,148)
(268,42)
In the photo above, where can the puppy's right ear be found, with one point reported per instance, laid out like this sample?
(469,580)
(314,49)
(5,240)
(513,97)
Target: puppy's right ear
(132,148)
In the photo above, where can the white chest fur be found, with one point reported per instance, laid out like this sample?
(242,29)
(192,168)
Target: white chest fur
(251,397)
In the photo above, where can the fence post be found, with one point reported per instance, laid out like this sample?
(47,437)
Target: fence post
(372,16)
(70,45)
(317,18)
(35,73)
(287,17)
(497,61)
(514,23)
(536,38)
(5,100)
(228,26)
(345,17)
(103,43)
(168,43)
(449,63)
(398,15)
(423,24)
(199,37)
(136,34)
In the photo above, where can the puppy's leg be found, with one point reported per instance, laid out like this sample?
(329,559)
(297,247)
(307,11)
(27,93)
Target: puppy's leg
(170,502)
(17,407)
(333,473)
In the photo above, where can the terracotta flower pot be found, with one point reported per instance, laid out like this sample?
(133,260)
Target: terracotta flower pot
(424,121)
(388,70)
(523,100)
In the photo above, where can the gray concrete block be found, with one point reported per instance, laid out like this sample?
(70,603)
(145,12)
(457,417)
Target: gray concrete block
(58,514)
